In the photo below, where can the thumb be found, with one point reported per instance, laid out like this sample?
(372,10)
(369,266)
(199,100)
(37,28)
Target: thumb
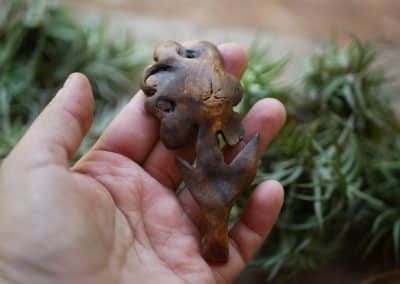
(58,131)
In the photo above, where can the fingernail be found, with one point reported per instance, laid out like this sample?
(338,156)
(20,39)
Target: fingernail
(69,79)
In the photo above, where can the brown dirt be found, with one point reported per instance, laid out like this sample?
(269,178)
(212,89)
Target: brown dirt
(316,18)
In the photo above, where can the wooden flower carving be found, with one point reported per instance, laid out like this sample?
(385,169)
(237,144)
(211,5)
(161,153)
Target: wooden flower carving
(191,93)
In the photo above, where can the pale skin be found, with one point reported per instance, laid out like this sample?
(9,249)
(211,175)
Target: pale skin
(114,216)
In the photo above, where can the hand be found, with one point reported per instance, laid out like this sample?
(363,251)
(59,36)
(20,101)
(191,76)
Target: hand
(114,217)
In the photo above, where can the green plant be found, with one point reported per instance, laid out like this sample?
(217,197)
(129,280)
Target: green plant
(40,45)
(337,157)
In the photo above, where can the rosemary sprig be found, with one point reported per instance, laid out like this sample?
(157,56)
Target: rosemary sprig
(338,157)
(40,45)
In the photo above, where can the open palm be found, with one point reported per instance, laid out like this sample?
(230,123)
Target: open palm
(114,217)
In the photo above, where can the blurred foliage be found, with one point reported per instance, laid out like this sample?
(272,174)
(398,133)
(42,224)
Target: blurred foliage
(338,155)
(262,78)
(40,45)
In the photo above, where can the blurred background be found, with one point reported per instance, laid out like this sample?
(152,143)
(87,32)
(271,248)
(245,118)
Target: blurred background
(292,27)
(312,18)
(335,66)
(303,18)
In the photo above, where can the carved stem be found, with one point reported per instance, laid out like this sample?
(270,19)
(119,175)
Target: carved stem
(214,230)
(215,186)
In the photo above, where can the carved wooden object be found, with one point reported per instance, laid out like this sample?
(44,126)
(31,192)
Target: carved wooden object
(190,92)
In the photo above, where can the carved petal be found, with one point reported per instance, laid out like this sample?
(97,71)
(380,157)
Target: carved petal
(233,131)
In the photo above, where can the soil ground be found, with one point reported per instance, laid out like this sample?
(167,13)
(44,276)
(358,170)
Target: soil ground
(315,18)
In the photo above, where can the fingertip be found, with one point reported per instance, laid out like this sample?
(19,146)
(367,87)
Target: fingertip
(270,111)
(257,219)
(79,83)
(77,76)
(77,99)
(235,58)
(264,206)
(266,118)
(64,122)
(271,191)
